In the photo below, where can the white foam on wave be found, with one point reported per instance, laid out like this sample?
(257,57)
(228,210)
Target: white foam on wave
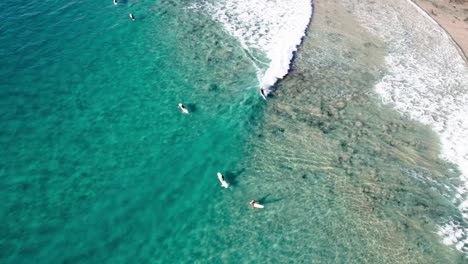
(427,80)
(274,27)
(454,234)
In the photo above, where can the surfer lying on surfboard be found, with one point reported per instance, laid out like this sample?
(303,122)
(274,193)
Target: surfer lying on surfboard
(132,17)
(222,180)
(254,204)
(183,108)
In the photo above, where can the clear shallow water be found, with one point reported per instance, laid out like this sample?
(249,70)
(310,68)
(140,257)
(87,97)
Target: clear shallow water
(427,80)
(364,184)
(97,159)
(99,165)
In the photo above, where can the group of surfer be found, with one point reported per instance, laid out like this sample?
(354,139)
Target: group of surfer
(224,184)
(263,92)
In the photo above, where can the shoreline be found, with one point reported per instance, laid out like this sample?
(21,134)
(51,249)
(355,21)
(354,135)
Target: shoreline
(450,16)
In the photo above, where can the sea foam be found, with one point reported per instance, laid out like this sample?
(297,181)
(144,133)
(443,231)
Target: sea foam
(274,27)
(427,80)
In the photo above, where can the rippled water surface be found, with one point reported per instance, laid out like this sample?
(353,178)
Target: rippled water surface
(99,165)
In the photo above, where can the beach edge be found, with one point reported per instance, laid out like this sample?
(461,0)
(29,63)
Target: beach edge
(451,32)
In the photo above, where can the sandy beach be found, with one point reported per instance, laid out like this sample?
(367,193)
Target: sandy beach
(452,15)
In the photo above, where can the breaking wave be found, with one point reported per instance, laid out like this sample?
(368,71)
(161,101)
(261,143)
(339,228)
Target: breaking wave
(427,80)
(275,28)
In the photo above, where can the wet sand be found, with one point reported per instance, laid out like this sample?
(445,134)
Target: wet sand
(452,15)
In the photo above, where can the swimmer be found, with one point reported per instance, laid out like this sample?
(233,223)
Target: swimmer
(132,17)
(183,108)
(222,180)
(115,2)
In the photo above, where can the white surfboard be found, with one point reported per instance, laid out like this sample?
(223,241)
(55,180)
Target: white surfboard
(115,2)
(222,181)
(182,107)
(254,204)
(257,205)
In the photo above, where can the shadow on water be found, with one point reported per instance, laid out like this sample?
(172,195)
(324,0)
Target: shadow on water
(192,108)
(265,200)
(231,177)
(139,17)
(271,94)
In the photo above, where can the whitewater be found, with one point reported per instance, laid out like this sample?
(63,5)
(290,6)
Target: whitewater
(427,80)
(270,32)
(99,165)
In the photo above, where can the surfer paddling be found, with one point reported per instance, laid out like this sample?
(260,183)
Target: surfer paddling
(132,17)
(184,110)
(254,204)
(263,93)
(222,180)
(115,2)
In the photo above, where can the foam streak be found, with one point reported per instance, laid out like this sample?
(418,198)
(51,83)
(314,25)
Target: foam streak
(427,80)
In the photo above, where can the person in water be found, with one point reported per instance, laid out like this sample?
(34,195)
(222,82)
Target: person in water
(115,2)
(132,16)
(252,203)
(182,107)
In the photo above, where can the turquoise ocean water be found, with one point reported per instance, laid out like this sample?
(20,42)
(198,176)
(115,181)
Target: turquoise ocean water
(98,165)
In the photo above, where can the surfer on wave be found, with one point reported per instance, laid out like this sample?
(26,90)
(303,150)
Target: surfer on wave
(263,93)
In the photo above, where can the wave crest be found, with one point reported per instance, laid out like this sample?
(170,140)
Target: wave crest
(276,28)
